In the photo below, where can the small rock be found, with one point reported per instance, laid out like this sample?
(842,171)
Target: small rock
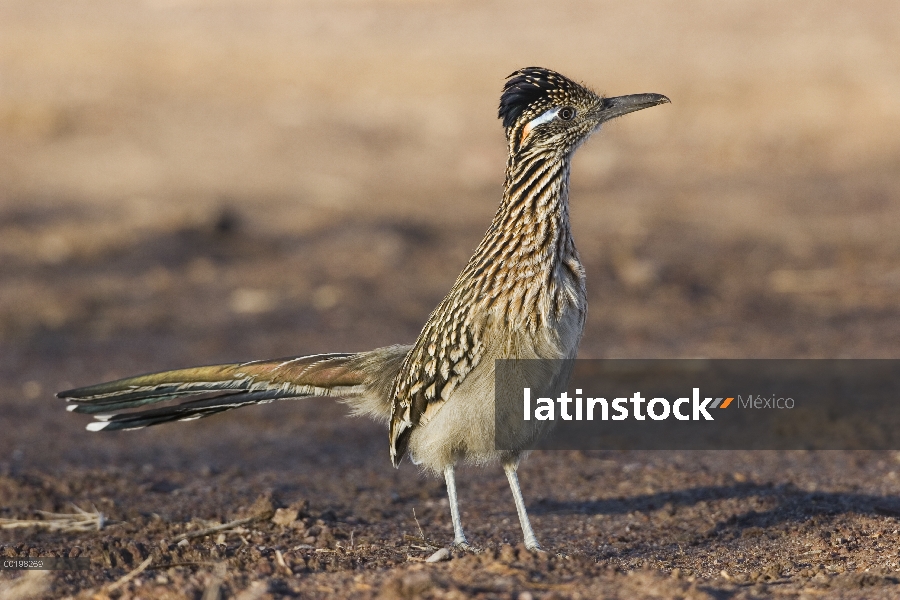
(314,531)
(442,554)
(262,508)
(285,516)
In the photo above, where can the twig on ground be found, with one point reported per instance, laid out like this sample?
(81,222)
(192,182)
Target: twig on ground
(418,543)
(164,566)
(279,558)
(421,539)
(79,521)
(140,569)
(416,519)
(223,527)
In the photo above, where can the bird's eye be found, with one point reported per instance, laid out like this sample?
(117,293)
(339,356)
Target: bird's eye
(566,113)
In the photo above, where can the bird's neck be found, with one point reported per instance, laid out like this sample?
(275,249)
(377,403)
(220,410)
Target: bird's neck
(529,244)
(536,186)
(533,218)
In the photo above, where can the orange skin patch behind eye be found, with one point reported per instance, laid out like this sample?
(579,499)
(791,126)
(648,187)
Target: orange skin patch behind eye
(525,131)
(530,125)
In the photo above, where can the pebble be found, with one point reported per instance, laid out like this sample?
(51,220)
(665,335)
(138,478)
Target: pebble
(442,554)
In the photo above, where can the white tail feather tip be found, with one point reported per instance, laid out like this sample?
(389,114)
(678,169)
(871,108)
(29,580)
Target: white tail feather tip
(97,426)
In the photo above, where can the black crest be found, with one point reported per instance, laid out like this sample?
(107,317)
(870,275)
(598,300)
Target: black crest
(528,86)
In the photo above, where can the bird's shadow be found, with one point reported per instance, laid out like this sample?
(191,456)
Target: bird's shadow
(793,504)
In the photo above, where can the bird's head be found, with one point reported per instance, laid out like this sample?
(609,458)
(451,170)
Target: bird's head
(543,110)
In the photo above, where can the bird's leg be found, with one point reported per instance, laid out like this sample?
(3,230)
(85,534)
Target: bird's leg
(530,540)
(459,538)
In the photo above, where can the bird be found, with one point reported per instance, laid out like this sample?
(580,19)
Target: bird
(521,295)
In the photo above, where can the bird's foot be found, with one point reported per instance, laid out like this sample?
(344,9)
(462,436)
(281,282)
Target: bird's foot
(443,554)
(464,546)
(532,545)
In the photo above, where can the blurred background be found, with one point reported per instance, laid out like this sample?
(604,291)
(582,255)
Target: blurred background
(188,181)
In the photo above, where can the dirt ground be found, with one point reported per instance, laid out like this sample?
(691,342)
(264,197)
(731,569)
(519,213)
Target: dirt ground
(186,182)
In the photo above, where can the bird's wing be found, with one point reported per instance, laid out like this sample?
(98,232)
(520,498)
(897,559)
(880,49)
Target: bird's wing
(205,391)
(446,351)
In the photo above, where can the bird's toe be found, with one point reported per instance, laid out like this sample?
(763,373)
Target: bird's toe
(464,546)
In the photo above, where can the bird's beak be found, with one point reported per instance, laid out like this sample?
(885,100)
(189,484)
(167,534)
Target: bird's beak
(622,105)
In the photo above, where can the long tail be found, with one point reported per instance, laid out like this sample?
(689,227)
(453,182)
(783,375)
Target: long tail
(362,379)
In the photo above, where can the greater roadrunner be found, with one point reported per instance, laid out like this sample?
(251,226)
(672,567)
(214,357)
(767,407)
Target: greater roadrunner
(521,295)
